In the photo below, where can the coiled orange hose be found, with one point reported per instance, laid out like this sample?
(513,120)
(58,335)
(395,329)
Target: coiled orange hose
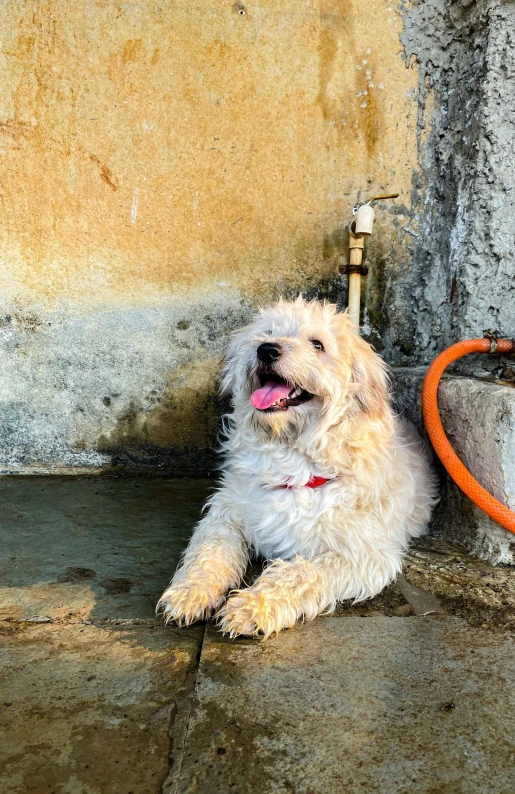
(459,473)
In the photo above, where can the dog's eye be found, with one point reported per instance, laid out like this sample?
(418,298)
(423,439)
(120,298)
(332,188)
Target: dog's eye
(317,344)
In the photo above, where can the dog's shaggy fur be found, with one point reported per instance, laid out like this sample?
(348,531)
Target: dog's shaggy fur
(342,540)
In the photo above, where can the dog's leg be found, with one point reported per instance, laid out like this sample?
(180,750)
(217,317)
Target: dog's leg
(304,588)
(214,562)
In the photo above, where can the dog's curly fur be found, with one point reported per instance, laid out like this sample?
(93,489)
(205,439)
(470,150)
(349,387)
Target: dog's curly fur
(343,540)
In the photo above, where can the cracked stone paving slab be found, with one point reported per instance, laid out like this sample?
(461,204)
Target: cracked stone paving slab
(396,704)
(92,709)
(411,691)
(88,706)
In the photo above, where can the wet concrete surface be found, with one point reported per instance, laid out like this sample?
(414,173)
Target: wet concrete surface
(89,548)
(355,705)
(412,691)
(95,692)
(464,585)
(90,708)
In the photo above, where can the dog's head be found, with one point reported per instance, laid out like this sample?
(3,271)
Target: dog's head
(302,363)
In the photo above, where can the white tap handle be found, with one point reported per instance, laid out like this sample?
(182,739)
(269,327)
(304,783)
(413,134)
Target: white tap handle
(364,220)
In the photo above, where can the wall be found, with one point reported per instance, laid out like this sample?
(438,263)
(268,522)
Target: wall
(479,418)
(461,281)
(165,168)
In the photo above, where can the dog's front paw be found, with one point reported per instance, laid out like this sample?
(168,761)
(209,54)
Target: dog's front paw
(255,612)
(186,603)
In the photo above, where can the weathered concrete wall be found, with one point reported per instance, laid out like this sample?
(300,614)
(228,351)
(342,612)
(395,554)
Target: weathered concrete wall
(461,278)
(165,167)
(479,419)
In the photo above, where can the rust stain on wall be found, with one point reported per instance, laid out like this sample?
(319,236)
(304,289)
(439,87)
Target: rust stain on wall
(105,173)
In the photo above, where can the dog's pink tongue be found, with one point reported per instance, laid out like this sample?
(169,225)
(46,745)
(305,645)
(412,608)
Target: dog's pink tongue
(268,394)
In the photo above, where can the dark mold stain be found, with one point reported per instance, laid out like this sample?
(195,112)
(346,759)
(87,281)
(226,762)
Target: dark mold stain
(333,290)
(76,574)
(189,460)
(371,127)
(335,246)
(117,586)
(376,287)
(175,434)
(28,321)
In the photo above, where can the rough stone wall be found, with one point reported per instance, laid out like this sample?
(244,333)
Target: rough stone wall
(165,168)
(479,419)
(461,277)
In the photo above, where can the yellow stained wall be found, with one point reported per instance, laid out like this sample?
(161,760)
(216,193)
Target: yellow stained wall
(155,152)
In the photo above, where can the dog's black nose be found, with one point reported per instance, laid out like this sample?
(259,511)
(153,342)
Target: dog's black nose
(268,352)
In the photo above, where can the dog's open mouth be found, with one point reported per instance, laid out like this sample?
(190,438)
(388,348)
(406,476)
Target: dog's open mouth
(276,394)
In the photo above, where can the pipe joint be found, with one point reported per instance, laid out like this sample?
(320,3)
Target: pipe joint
(347,270)
(492,337)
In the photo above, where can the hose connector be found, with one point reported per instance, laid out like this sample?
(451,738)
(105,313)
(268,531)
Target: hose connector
(492,336)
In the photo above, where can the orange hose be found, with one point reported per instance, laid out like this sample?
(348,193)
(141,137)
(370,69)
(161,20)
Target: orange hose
(459,473)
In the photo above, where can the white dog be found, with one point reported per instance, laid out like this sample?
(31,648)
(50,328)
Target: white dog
(319,477)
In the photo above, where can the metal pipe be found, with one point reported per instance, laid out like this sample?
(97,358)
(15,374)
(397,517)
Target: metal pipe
(360,228)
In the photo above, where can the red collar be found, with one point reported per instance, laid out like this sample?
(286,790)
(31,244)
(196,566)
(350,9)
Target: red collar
(313,482)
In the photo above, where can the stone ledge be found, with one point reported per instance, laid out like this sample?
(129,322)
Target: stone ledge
(479,418)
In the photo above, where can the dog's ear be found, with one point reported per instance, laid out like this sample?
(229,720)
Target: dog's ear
(369,382)
(369,377)
(233,379)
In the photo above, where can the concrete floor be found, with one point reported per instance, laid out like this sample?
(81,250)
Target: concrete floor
(413,691)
